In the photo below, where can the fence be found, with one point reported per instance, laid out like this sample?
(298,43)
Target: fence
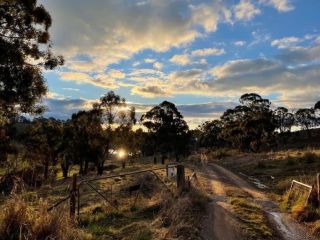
(74,197)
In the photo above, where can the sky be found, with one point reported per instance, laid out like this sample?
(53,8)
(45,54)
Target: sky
(201,55)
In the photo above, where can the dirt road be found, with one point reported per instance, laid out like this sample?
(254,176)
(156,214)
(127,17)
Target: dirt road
(221,222)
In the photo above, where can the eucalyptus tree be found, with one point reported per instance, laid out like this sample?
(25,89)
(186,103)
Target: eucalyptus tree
(284,120)
(305,118)
(25,50)
(168,129)
(85,139)
(115,113)
(250,124)
(43,141)
(210,134)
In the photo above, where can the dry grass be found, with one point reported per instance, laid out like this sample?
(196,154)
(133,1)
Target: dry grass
(182,215)
(18,220)
(253,220)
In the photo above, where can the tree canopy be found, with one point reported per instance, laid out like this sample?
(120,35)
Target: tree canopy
(25,49)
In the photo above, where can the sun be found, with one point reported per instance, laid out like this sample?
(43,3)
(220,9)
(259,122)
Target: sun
(121,153)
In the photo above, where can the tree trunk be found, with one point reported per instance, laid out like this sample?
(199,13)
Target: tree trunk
(46,170)
(86,165)
(100,168)
(65,168)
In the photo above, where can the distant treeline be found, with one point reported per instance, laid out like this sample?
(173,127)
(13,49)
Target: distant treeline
(89,138)
(254,124)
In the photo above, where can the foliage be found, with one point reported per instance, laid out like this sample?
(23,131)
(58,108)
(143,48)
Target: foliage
(25,50)
(210,134)
(283,119)
(43,142)
(249,125)
(85,140)
(305,118)
(167,127)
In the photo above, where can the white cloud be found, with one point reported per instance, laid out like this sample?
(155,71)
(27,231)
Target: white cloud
(208,52)
(286,42)
(151,91)
(280,5)
(116,74)
(71,89)
(100,80)
(245,10)
(112,31)
(240,43)
(158,65)
(149,60)
(182,59)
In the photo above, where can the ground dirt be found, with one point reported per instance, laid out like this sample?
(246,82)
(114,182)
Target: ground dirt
(221,222)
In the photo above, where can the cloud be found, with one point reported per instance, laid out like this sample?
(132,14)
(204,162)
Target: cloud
(239,43)
(149,60)
(111,31)
(208,52)
(286,42)
(71,89)
(100,80)
(158,65)
(150,91)
(182,59)
(244,66)
(117,74)
(245,10)
(280,5)
(301,55)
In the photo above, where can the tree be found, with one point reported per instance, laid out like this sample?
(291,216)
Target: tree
(25,50)
(210,134)
(249,125)
(317,112)
(168,129)
(43,141)
(305,118)
(86,140)
(114,112)
(283,119)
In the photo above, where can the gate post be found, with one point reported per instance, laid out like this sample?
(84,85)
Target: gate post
(318,188)
(73,193)
(180,177)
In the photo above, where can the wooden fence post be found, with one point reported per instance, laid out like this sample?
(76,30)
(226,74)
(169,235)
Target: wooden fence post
(73,194)
(318,188)
(180,177)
